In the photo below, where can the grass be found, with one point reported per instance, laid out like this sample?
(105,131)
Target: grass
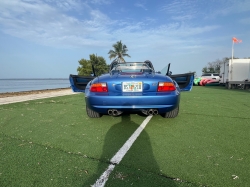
(28,164)
(44,141)
(206,144)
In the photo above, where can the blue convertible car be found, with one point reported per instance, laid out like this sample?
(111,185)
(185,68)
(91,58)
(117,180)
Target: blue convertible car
(132,86)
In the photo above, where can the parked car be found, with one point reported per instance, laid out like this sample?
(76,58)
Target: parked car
(132,86)
(215,76)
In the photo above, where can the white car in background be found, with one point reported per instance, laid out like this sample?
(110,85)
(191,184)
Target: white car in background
(215,76)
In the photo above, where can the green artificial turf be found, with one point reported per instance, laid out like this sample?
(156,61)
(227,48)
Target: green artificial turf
(205,145)
(24,163)
(51,132)
(125,176)
(62,123)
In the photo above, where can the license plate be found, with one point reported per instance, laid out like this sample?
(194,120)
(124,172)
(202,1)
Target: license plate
(132,86)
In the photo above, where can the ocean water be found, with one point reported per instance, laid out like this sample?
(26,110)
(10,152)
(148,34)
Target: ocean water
(17,85)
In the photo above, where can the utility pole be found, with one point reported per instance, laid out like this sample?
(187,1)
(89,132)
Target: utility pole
(232,62)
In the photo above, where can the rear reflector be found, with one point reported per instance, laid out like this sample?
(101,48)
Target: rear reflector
(165,86)
(99,87)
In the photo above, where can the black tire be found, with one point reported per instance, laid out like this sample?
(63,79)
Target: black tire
(92,114)
(172,114)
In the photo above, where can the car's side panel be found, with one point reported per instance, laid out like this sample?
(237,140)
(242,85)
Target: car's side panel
(78,82)
(185,81)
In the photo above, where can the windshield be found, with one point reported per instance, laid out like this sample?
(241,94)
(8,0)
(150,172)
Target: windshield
(132,67)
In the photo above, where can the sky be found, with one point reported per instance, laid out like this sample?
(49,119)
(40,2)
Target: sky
(47,38)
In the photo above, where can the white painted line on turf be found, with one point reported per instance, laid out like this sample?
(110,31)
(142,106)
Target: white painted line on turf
(120,154)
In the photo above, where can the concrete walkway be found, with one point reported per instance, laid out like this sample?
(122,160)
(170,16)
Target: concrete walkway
(16,99)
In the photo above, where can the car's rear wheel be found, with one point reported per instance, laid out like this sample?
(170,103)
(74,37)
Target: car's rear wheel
(171,114)
(92,114)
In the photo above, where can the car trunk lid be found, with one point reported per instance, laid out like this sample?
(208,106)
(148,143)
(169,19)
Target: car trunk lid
(149,82)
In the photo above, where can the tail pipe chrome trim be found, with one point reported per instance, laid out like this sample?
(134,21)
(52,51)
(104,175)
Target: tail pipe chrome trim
(150,112)
(114,112)
(110,112)
(155,112)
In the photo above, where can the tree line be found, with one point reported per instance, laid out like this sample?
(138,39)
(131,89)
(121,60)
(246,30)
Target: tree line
(118,53)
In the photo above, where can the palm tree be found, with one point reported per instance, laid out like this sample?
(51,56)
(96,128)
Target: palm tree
(119,51)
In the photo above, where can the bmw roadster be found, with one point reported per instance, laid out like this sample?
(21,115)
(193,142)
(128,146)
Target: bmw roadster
(132,86)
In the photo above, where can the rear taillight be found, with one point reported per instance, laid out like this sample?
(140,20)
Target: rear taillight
(165,86)
(99,87)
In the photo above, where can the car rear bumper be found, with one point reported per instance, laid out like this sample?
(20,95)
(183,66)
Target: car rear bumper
(164,102)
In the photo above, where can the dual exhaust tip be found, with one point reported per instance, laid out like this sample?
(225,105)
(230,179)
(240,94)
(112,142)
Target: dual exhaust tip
(114,112)
(151,112)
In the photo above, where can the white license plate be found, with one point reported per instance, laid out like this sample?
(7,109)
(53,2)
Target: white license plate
(132,86)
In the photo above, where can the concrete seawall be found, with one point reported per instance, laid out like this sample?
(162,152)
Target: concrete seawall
(16,99)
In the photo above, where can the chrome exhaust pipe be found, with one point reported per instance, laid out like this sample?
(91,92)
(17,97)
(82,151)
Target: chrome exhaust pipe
(150,112)
(110,112)
(155,112)
(115,112)
(145,112)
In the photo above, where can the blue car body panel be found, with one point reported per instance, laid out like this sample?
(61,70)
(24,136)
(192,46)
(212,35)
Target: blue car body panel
(73,87)
(101,102)
(189,86)
(78,83)
(115,98)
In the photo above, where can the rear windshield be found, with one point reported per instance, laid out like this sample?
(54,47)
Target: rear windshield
(131,68)
(207,74)
(216,74)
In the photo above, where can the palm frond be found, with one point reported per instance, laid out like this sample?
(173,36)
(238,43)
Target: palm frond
(112,56)
(119,51)
(124,54)
(111,52)
(122,59)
